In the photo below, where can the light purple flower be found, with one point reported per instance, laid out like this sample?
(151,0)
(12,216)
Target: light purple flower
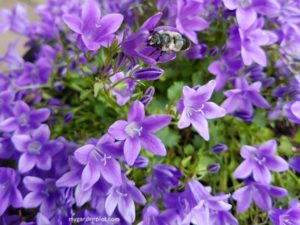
(152,216)
(258,161)
(290,216)
(252,39)
(243,97)
(138,131)
(195,109)
(98,160)
(247,10)
(10,194)
(16,20)
(188,21)
(6,103)
(24,119)
(93,30)
(292,111)
(123,198)
(36,149)
(260,193)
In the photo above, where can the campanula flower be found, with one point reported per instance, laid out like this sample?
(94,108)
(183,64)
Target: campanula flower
(258,192)
(138,131)
(94,31)
(152,216)
(292,111)
(243,97)
(195,109)
(24,119)
(36,149)
(98,160)
(9,194)
(295,163)
(123,198)
(290,216)
(258,161)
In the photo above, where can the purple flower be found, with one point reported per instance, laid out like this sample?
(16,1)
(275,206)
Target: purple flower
(152,216)
(37,73)
(9,195)
(252,39)
(98,160)
(219,148)
(243,97)
(15,20)
(290,216)
(94,31)
(188,21)
(258,161)
(4,82)
(151,73)
(6,101)
(36,149)
(138,131)
(123,198)
(224,69)
(161,180)
(24,119)
(124,90)
(295,163)
(246,10)
(260,193)
(196,52)
(213,168)
(292,111)
(195,109)
(13,60)
(43,192)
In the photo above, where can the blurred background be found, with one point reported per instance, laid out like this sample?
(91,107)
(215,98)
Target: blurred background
(7,37)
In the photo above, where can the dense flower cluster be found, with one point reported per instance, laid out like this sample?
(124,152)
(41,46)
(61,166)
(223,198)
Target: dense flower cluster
(96,116)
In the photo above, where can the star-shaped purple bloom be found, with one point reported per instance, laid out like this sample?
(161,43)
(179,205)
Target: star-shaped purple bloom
(9,194)
(123,198)
(24,119)
(290,216)
(247,10)
(138,131)
(99,160)
(259,161)
(260,193)
(195,109)
(36,149)
(252,39)
(93,30)
(243,97)
(188,21)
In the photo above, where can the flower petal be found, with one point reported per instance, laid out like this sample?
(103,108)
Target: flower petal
(200,124)
(111,172)
(26,163)
(90,175)
(212,110)
(136,112)
(33,183)
(244,170)
(32,200)
(82,154)
(155,122)
(153,144)
(132,147)
(243,196)
(73,22)
(117,130)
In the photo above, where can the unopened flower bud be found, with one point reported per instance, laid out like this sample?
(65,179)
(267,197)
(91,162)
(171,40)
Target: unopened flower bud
(219,148)
(148,74)
(213,168)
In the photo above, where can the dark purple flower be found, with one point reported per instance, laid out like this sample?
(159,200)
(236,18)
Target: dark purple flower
(9,195)
(188,21)
(292,111)
(94,31)
(68,117)
(152,216)
(290,216)
(24,119)
(196,51)
(150,73)
(243,97)
(219,148)
(36,149)
(213,168)
(123,198)
(98,160)
(195,109)
(295,163)
(161,180)
(260,193)
(259,161)
(138,131)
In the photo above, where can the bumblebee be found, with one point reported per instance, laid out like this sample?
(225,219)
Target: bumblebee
(168,41)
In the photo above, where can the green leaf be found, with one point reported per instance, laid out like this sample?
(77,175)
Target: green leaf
(97,87)
(174,92)
(169,137)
